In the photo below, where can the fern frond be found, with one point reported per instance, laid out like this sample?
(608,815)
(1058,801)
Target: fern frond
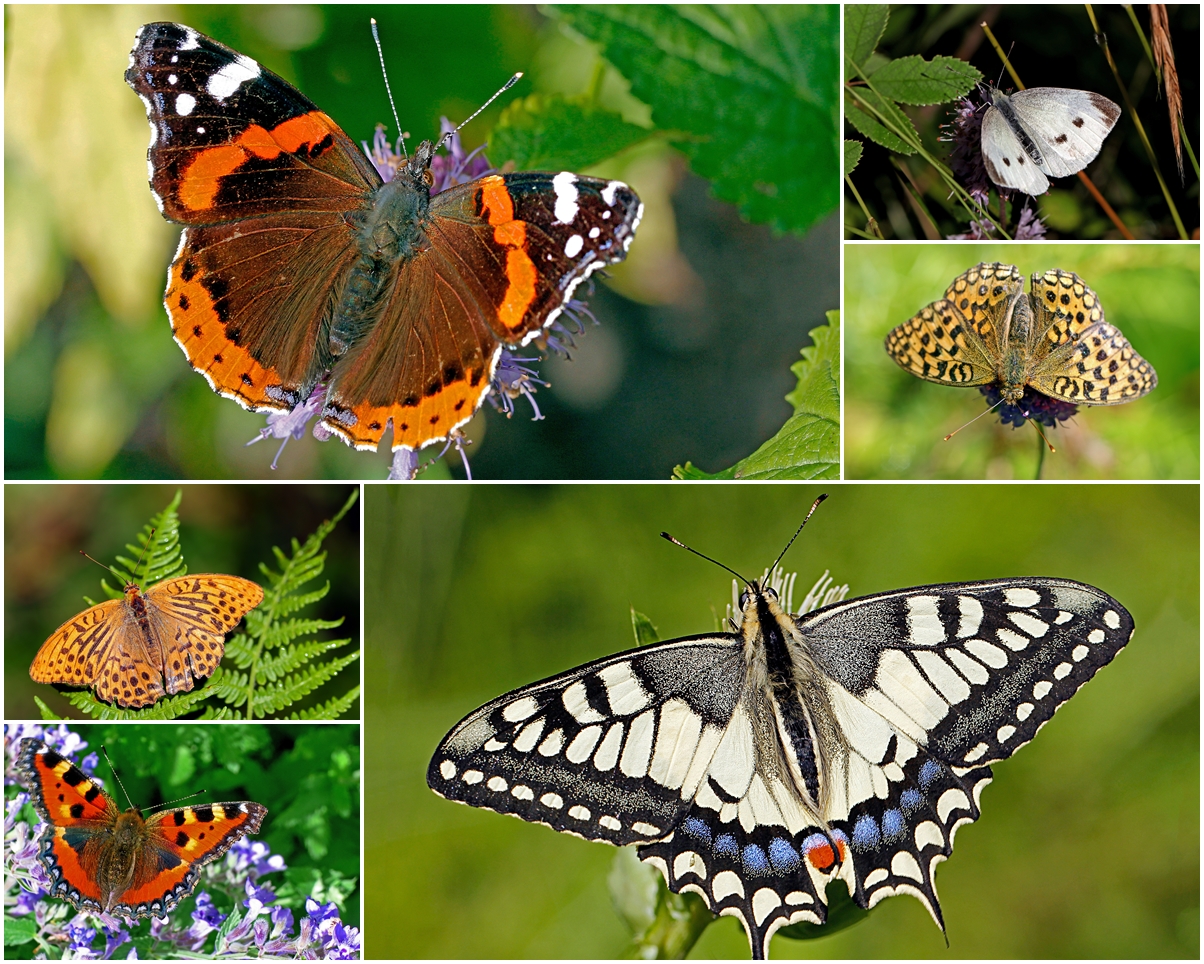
(240,651)
(330,710)
(294,657)
(274,697)
(158,549)
(281,633)
(46,711)
(218,713)
(291,604)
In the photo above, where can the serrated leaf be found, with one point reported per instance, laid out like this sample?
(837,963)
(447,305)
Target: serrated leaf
(808,445)
(852,155)
(871,128)
(19,930)
(864,24)
(641,625)
(914,80)
(548,132)
(750,90)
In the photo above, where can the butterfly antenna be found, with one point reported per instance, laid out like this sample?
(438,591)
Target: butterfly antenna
(974,419)
(116,777)
(501,90)
(814,506)
(676,542)
(176,800)
(1045,438)
(381,54)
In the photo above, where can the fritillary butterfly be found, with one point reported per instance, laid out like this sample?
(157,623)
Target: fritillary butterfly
(1054,341)
(132,650)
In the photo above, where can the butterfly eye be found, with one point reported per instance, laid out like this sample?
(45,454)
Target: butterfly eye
(771,593)
(429,177)
(743,598)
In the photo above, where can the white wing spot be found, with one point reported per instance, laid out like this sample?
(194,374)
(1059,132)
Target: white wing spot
(495,744)
(646,829)
(233,75)
(610,823)
(172,79)
(608,195)
(573,246)
(725,884)
(1062,670)
(1096,636)
(1005,733)
(565,186)
(638,748)
(529,736)
(497,784)
(1022,598)
(992,655)
(594,232)
(1012,640)
(676,739)
(971,616)
(796,897)
(928,833)
(923,621)
(583,744)
(608,753)
(579,812)
(577,703)
(971,669)
(623,690)
(1030,624)
(977,753)
(1111,620)
(552,743)
(472,777)
(950,685)
(765,901)
(447,769)
(184,104)
(875,877)
(520,710)
(522,793)
(1079,653)
(1063,618)
(191,42)
(903,864)
(952,799)
(1024,711)
(688,862)
(1041,688)
(552,800)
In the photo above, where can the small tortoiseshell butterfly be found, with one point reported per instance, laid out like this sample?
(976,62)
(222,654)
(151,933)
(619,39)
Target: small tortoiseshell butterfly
(101,859)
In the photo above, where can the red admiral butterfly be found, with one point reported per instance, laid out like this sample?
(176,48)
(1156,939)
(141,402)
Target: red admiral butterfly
(299,265)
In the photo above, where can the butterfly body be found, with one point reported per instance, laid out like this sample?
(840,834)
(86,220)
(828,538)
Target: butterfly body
(300,267)
(1043,132)
(758,766)
(133,650)
(102,859)
(987,331)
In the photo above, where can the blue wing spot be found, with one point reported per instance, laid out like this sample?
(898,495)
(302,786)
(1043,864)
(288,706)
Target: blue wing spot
(893,824)
(697,828)
(756,864)
(783,856)
(726,846)
(911,800)
(865,833)
(930,772)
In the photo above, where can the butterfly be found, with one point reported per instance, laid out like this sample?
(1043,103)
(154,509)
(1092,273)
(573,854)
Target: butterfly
(987,332)
(105,860)
(299,267)
(1043,132)
(130,650)
(756,766)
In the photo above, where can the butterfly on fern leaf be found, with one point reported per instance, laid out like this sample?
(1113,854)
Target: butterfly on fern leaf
(756,766)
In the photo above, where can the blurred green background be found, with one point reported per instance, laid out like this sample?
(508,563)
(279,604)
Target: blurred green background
(223,528)
(95,386)
(895,422)
(471,592)
(1049,45)
(306,774)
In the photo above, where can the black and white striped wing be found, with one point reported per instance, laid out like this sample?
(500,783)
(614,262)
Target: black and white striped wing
(930,685)
(610,751)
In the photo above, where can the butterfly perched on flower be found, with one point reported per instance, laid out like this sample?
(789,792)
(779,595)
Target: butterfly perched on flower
(106,860)
(1053,342)
(757,766)
(134,649)
(301,272)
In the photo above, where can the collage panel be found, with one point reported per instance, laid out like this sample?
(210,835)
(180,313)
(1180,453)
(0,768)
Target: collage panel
(994,122)
(909,694)
(241,840)
(162,635)
(1022,361)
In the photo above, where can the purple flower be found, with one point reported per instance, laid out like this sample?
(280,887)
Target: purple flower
(964,130)
(1030,227)
(257,898)
(1032,405)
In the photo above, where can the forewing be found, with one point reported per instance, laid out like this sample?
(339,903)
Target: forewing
(607,751)
(1005,159)
(940,346)
(1068,126)
(78,650)
(985,295)
(1082,358)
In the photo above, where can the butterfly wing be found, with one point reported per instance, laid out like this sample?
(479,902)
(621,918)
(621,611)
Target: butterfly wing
(1005,159)
(79,651)
(928,686)
(1068,126)
(506,253)
(79,818)
(1083,359)
(190,616)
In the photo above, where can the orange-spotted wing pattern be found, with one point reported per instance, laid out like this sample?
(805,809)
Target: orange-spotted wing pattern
(986,331)
(106,860)
(299,266)
(133,650)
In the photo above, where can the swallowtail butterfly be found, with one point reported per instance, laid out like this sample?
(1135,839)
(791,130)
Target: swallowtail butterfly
(754,767)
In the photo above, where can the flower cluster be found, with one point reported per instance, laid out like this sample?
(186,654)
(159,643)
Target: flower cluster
(1032,405)
(258,929)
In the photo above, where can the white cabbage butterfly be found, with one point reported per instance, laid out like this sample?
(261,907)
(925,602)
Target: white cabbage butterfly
(1043,132)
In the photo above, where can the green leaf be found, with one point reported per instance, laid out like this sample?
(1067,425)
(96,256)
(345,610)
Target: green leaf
(914,80)
(808,445)
(870,127)
(852,155)
(332,709)
(19,930)
(864,24)
(641,625)
(750,92)
(548,132)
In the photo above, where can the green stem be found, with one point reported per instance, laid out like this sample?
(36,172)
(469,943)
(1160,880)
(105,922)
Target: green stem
(1040,453)
(870,223)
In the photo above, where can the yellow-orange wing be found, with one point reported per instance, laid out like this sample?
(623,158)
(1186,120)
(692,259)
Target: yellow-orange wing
(134,649)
